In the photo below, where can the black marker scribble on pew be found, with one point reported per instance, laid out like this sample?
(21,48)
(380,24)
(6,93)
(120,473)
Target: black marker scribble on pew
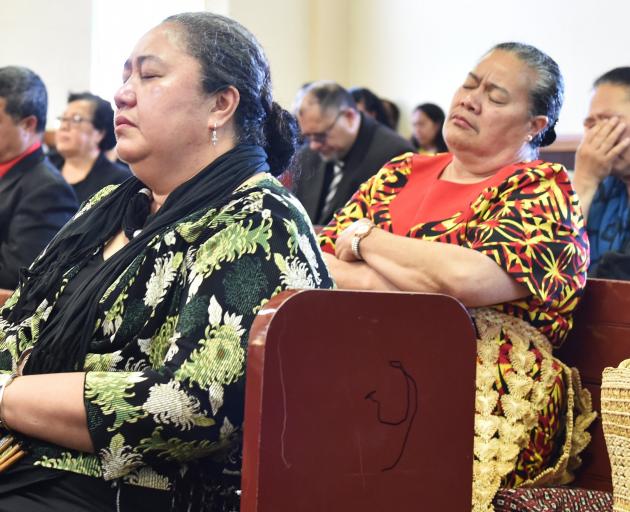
(410,412)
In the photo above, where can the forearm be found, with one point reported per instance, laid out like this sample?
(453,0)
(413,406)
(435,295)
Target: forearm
(585,187)
(423,266)
(357,275)
(49,407)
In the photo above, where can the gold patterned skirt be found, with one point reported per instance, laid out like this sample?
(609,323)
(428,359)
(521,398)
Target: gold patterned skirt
(531,413)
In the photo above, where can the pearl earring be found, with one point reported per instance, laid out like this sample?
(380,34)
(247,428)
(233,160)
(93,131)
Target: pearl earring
(214,139)
(529,138)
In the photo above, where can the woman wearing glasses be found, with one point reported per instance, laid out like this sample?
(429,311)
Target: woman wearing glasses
(85,134)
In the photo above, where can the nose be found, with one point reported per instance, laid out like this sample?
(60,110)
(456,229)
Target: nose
(470,101)
(125,95)
(315,145)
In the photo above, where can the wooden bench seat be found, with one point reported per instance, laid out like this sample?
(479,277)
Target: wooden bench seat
(358,401)
(600,338)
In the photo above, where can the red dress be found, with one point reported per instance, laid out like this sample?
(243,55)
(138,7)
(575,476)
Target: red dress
(527,219)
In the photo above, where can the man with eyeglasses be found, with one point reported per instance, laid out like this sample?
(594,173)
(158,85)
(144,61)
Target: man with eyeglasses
(35,201)
(342,149)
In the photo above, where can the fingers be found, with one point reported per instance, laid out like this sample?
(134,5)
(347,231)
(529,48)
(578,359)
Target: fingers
(601,132)
(605,137)
(619,148)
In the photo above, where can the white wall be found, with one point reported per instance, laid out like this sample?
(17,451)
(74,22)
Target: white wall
(414,51)
(115,35)
(409,51)
(283,29)
(53,38)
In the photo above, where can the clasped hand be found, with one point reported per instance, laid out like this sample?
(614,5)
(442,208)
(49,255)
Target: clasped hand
(343,245)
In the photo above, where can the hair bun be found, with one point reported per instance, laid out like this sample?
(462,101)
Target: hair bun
(281,134)
(549,137)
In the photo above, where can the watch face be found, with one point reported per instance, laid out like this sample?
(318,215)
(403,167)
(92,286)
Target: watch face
(363,228)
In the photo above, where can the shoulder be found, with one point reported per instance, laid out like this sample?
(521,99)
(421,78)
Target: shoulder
(390,140)
(266,194)
(43,170)
(43,178)
(260,201)
(535,174)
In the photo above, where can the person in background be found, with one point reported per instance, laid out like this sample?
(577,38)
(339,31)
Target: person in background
(495,227)
(427,121)
(393,112)
(123,352)
(84,136)
(602,174)
(35,201)
(370,104)
(343,148)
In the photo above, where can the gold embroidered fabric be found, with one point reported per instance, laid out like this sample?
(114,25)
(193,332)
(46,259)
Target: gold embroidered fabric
(616,423)
(503,424)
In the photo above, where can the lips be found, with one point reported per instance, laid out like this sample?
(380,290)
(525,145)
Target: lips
(122,121)
(462,121)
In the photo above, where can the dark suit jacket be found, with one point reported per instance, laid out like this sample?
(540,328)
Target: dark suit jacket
(35,202)
(375,145)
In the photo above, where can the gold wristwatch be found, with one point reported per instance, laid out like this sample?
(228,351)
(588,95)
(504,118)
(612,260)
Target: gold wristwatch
(363,229)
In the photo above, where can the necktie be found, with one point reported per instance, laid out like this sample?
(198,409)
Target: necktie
(332,190)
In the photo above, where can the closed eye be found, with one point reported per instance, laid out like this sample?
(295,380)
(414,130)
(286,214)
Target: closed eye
(497,101)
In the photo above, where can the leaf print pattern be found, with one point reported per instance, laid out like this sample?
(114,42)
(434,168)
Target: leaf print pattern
(165,379)
(109,391)
(169,404)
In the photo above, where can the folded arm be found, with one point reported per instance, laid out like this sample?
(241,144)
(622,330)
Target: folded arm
(423,266)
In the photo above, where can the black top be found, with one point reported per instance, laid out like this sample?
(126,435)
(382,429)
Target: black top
(103,173)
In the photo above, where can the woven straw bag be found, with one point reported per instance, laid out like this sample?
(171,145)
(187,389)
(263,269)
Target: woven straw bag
(616,423)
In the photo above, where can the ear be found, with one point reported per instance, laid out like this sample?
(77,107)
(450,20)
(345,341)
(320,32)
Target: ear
(226,103)
(28,124)
(353,117)
(537,124)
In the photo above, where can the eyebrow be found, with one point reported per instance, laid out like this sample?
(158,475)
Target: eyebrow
(141,59)
(491,85)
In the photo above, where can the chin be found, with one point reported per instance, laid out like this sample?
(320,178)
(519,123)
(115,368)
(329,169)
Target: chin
(129,155)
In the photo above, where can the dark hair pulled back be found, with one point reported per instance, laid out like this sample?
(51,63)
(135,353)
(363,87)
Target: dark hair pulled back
(230,55)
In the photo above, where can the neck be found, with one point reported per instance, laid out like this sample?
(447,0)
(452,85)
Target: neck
(77,167)
(470,168)
(26,143)
(158,202)
(164,174)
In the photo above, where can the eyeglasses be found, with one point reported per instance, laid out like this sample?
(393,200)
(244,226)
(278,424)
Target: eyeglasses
(74,120)
(320,137)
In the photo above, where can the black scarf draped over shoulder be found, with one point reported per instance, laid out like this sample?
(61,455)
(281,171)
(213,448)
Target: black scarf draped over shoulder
(65,337)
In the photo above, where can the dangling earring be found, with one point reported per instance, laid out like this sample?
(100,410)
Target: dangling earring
(529,138)
(214,139)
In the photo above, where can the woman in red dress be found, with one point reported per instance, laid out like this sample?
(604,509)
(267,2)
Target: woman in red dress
(500,230)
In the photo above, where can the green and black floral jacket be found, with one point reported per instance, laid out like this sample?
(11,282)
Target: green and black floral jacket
(174,392)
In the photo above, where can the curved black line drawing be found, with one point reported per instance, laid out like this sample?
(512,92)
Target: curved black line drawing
(410,412)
